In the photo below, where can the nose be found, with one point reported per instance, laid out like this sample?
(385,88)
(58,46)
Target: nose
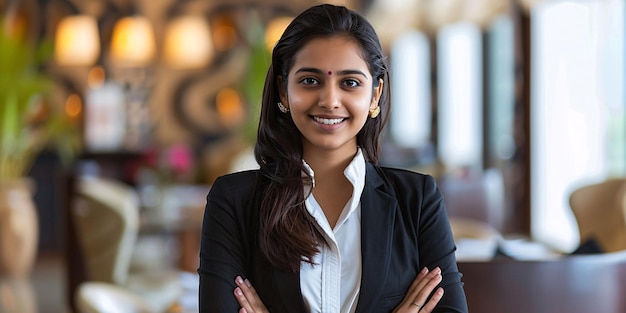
(330,97)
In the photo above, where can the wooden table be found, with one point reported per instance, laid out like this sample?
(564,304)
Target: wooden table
(571,284)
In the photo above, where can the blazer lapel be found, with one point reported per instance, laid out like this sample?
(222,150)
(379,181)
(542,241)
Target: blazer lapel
(377,219)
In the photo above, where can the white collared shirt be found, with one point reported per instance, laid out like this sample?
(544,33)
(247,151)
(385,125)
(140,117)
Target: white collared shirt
(332,285)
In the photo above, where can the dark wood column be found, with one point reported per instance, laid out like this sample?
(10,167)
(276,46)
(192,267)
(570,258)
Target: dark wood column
(518,177)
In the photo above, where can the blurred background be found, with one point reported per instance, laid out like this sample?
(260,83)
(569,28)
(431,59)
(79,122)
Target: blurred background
(511,105)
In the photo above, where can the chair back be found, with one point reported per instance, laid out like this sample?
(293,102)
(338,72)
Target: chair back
(572,284)
(600,212)
(106,218)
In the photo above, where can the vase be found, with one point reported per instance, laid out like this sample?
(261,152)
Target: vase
(17,295)
(19,232)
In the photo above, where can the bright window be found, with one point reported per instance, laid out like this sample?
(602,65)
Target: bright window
(411,115)
(577,108)
(460,109)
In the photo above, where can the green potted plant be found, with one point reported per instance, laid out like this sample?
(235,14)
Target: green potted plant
(29,122)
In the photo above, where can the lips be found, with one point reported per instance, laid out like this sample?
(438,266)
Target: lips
(328,121)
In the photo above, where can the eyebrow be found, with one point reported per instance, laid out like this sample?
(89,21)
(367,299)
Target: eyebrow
(343,72)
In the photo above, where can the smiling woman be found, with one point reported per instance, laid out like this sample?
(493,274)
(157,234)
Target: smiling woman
(320,227)
(330,110)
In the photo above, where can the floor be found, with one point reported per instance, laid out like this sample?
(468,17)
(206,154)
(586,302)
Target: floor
(49,284)
(44,292)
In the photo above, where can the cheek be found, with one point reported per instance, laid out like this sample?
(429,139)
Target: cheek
(295,97)
(364,104)
(297,104)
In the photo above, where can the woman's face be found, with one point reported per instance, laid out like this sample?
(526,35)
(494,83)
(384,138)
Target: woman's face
(329,93)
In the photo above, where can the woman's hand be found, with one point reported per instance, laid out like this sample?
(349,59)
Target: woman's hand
(248,298)
(422,286)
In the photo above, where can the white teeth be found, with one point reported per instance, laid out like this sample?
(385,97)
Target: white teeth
(328,121)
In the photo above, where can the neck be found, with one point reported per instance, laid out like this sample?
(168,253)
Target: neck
(329,163)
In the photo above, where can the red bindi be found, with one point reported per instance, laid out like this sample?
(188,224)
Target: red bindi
(330,73)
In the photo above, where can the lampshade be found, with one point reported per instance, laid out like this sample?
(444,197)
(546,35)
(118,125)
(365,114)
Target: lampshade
(444,12)
(484,12)
(274,30)
(188,42)
(133,43)
(77,42)
(529,5)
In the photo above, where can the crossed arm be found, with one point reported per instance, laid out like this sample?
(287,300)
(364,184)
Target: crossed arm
(224,245)
(415,300)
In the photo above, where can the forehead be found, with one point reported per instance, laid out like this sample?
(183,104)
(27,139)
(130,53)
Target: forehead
(331,54)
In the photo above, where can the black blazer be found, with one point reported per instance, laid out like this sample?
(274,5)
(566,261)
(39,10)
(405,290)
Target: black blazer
(404,228)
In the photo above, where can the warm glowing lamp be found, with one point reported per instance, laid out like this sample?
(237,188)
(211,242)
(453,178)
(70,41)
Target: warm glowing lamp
(77,42)
(73,106)
(96,77)
(188,42)
(229,107)
(133,43)
(224,34)
(274,30)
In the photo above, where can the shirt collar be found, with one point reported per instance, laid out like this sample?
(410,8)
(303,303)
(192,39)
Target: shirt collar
(355,173)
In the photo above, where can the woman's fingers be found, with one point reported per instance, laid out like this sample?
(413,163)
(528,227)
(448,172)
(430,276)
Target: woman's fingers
(415,285)
(247,297)
(423,279)
(430,305)
(420,290)
(426,286)
(243,301)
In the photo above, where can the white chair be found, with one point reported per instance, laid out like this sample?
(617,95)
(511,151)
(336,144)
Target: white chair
(99,297)
(106,217)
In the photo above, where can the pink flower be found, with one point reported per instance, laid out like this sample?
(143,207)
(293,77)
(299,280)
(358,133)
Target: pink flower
(179,158)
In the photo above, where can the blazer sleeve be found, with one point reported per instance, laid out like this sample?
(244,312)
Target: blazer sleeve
(222,248)
(437,248)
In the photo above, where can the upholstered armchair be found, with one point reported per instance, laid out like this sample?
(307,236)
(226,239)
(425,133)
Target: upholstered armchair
(106,218)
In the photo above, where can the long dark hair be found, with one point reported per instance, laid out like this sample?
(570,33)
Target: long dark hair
(288,233)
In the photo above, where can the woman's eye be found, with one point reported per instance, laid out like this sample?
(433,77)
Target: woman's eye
(309,81)
(351,83)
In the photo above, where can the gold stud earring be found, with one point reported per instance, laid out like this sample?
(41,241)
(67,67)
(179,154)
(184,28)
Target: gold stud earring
(282,107)
(375,111)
